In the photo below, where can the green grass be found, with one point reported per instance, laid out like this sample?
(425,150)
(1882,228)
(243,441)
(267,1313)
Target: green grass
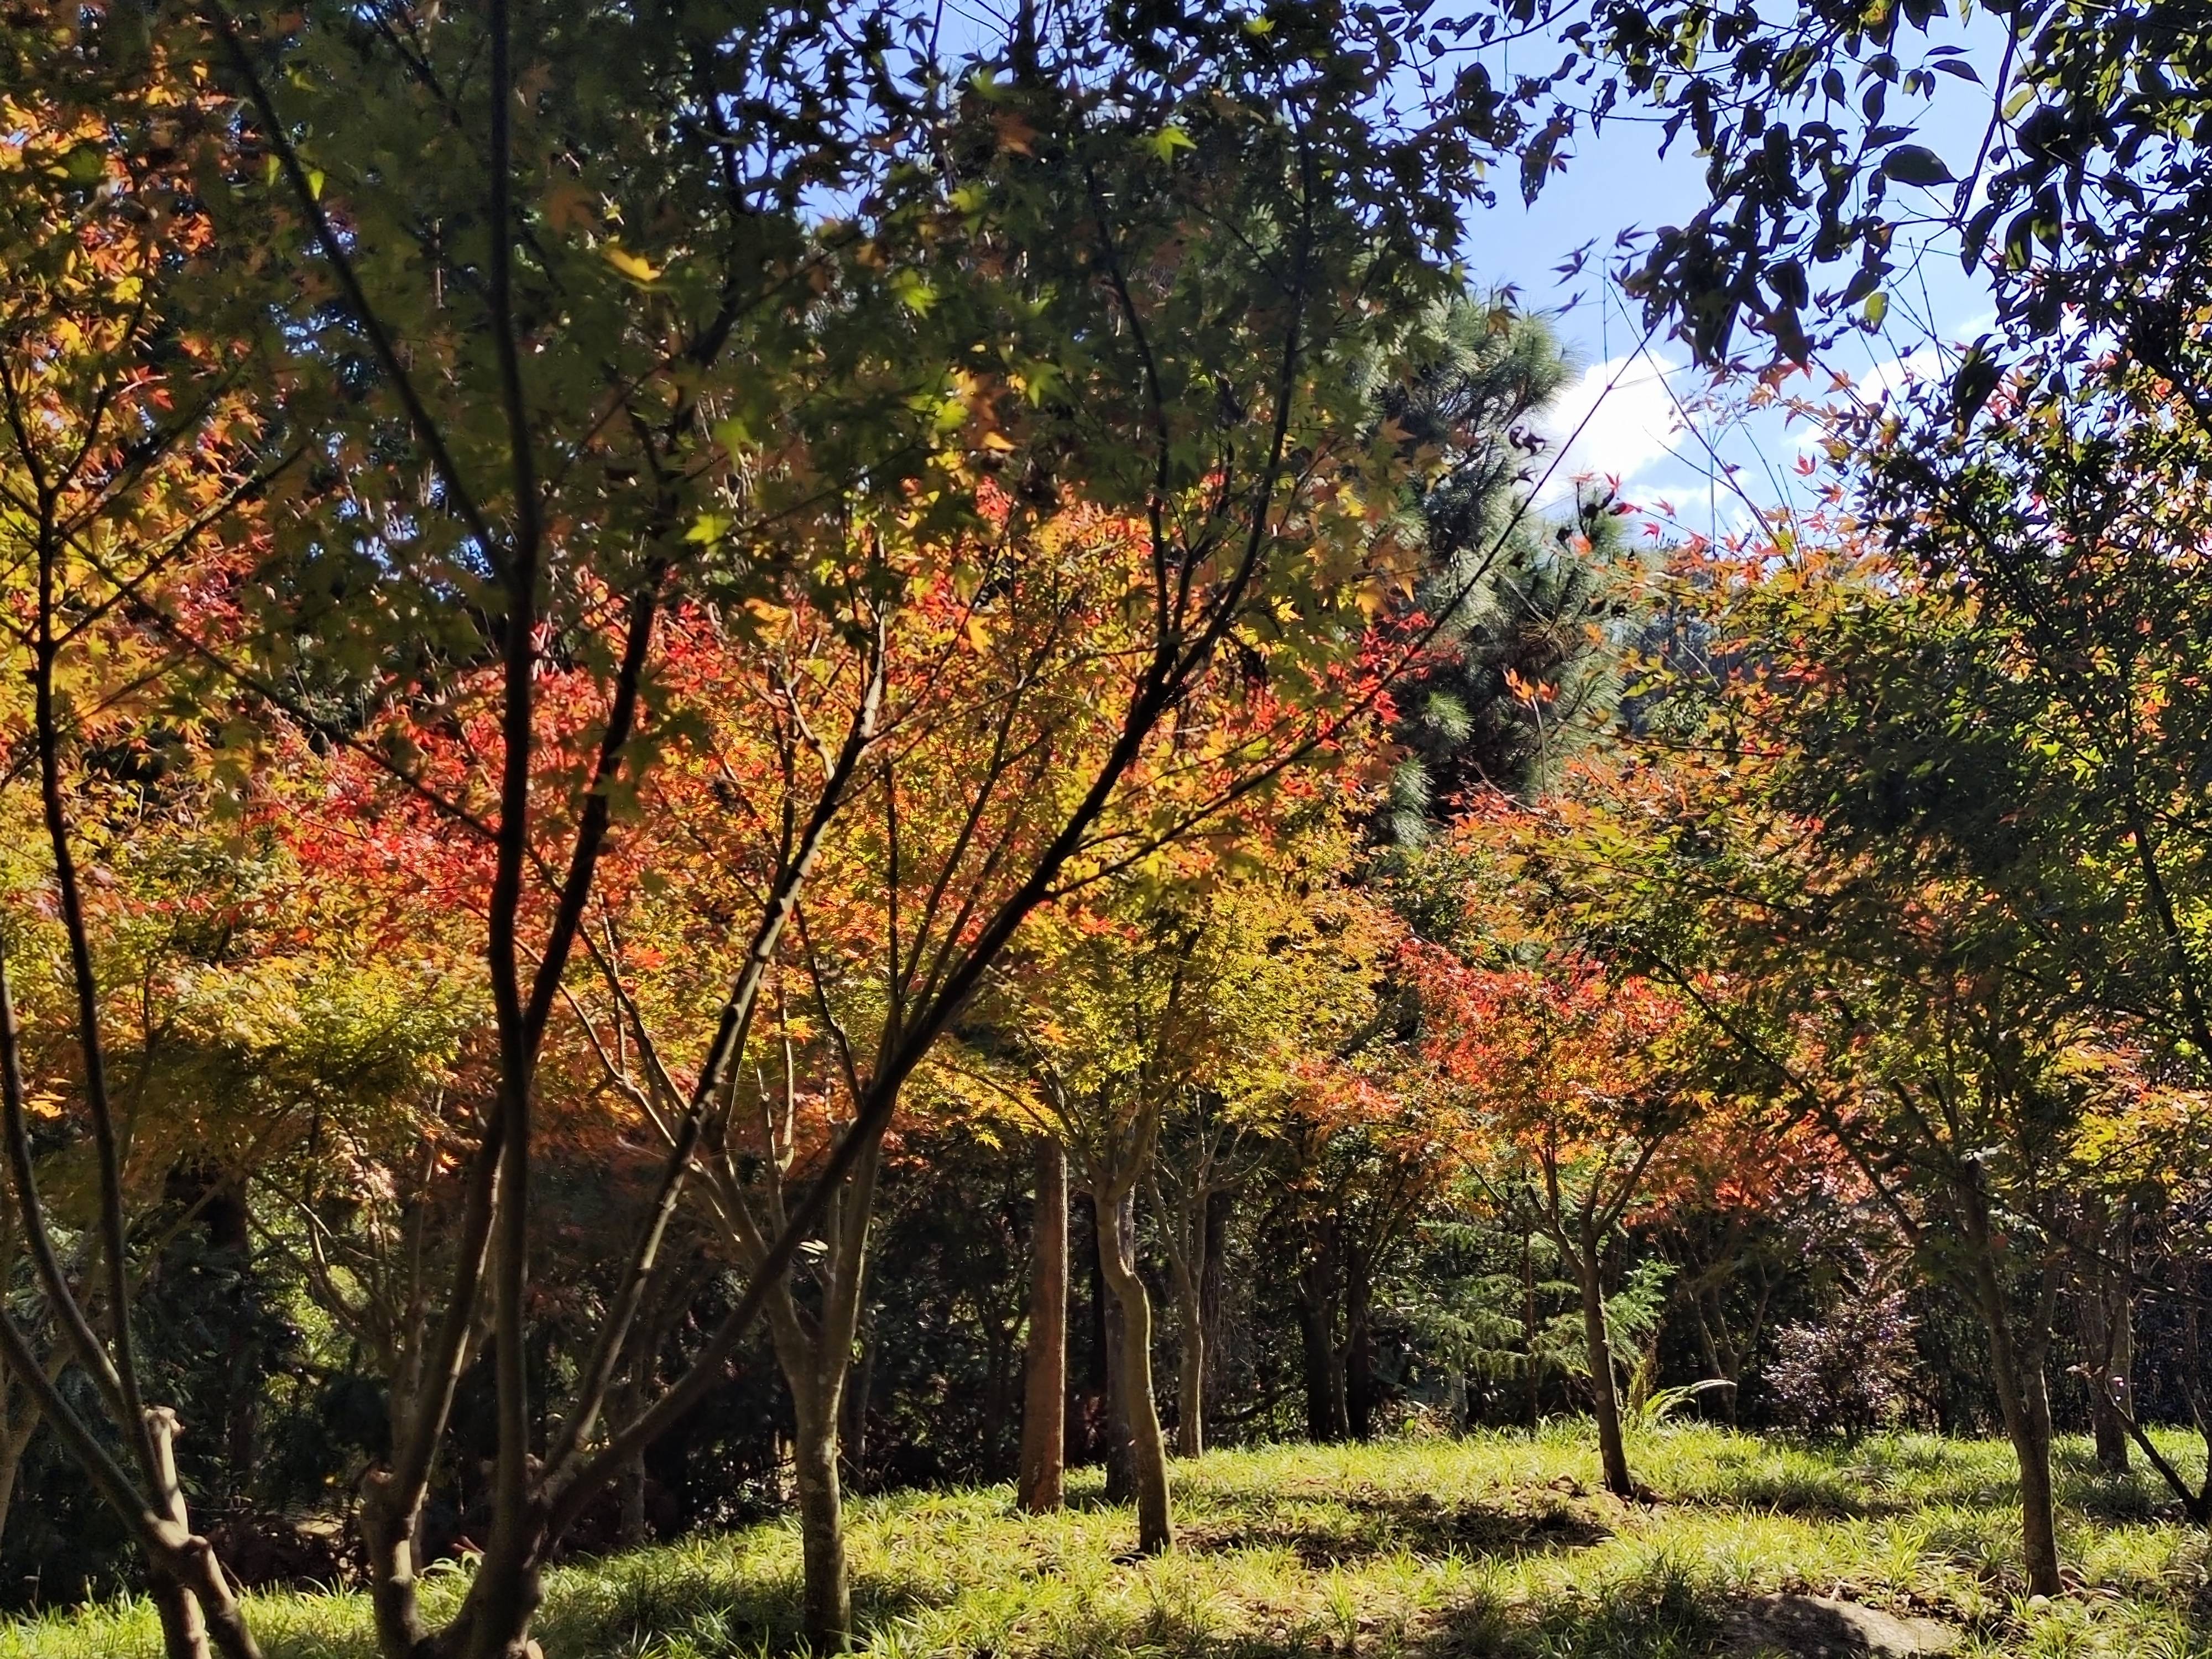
(1429,1549)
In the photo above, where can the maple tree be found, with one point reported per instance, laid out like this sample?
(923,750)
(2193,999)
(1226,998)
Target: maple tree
(1353,1170)
(2078,197)
(128,456)
(968,727)
(675,494)
(1183,1001)
(1583,1088)
(1861,828)
(978,713)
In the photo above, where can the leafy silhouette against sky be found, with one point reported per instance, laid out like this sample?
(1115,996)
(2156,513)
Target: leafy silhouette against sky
(1627,400)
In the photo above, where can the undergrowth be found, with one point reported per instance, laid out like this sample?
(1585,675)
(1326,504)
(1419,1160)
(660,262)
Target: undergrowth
(1498,1544)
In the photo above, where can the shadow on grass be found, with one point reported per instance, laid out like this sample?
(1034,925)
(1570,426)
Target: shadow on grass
(2137,1496)
(696,1608)
(1657,1613)
(1842,1480)
(1827,1495)
(1331,1532)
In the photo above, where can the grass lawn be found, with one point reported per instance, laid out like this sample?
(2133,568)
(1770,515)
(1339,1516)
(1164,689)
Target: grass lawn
(1497,1545)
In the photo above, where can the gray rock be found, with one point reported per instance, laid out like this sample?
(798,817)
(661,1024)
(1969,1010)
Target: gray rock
(1822,1627)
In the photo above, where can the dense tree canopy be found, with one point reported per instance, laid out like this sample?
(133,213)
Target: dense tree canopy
(728,733)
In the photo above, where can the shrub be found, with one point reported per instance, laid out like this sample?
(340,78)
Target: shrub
(1848,1374)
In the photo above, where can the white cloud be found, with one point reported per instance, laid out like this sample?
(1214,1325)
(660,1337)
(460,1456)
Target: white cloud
(1890,377)
(1627,417)
(1897,373)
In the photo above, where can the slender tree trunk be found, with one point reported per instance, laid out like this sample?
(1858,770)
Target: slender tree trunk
(184,1628)
(1190,1375)
(2103,1319)
(1120,1461)
(2024,1397)
(1358,1352)
(184,1632)
(11,1465)
(1528,1327)
(1322,1424)
(859,1391)
(1147,1444)
(19,1401)
(998,1388)
(388,1542)
(1095,1431)
(1612,1452)
(630,1529)
(829,1601)
(24,1420)
(497,1625)
(2028,1425)
(1220,1205)
(2102,1366)
(623,1405)
(1716,1366)
(1340,1393)
(198,1609)
(1044,1402)
(815,1354)
(2119,1392)
(815,1363)
(1185,1225)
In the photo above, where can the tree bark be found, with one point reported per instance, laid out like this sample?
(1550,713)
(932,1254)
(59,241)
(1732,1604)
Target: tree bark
(1322,1424)
(814,1351)
(1000,1386)
(859,1391)
(2108,1427)
(1194,1215)
(1098,1438)
(1190,1375)
(184,1632)
(1358,1352)
(1339,1394)
(2103,1320)
(1528,1327)
(2024,1398)
(388,1542)
(630,1528)
(828,1597)
(198,1610)
(1147,1444)
(816,1377)
(1612,1452)
(2028,1425)
(1120,1462)
(1219,1206)
(1186,1226)
(23,1420)
(1038,1487)
(1718,1366)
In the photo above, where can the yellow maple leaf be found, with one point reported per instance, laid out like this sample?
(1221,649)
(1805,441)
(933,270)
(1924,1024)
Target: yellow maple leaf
(631,265)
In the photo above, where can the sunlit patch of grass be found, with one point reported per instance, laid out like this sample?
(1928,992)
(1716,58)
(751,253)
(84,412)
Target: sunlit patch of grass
(1500,1543)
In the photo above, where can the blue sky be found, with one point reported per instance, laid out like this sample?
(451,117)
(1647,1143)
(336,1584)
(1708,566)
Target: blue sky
(1630,401)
